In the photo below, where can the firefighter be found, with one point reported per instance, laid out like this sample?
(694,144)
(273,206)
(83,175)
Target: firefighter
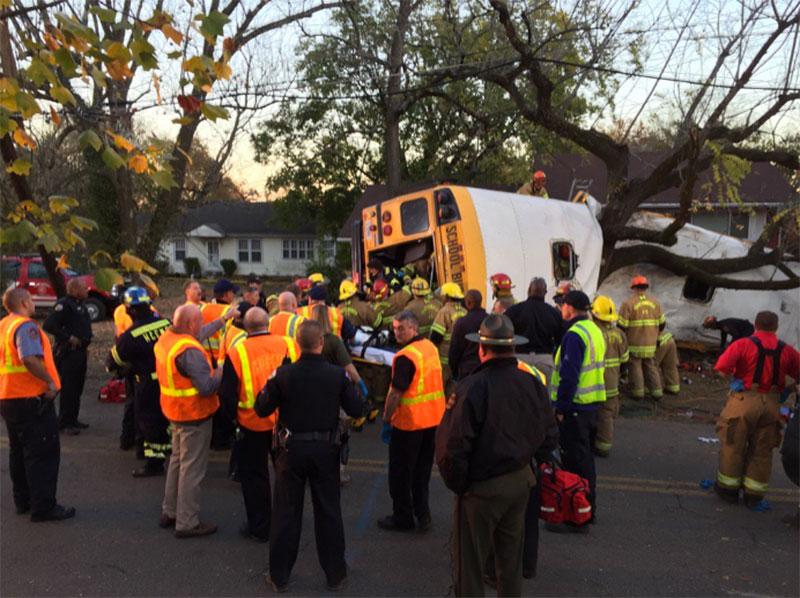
(442,328)
(122,322)
(501,286)
(642,320)
(303,287)
(248,365)
(134,351)
(355,310)
(423,305)
(28,388)
(286,321)
(391,306)
(536,186)
(71,326)
(749,425)
(604,314)
(318,278)
(414,407)
(666,361)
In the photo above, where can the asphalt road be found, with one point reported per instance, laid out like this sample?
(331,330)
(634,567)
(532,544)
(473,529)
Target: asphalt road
(658,532)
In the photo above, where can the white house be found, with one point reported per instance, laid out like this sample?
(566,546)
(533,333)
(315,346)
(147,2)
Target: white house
(248,233)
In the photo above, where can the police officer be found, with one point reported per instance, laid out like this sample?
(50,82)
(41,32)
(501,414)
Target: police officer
(248,365)
(577,391)
(71,326)
(134,351)
(308,395)
(28,387)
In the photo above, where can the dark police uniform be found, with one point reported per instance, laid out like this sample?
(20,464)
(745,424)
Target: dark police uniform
(134,350)
(70,318)
(308,395)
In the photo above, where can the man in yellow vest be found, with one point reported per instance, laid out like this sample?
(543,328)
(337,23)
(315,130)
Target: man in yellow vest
(604,313)
(248,365)
(414,408)
(442,328)
(666,361)
(189,385)
(286,322)
(28,387)
(642,320)
(578,390)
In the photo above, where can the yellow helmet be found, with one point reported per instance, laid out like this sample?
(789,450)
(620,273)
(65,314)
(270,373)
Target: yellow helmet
(452,290)
(420,287)
(347,289)
(603,308)
(317,278)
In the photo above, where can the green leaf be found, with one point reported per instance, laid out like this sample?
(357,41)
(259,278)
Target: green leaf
(213,24)
(106,278)
(112,159)
(104,14)
(144,53)
(7,124)
(20,167)
(175,55)
(61,204)
(90,138)
(64,59)
(184,120)
(21,233)
(212,113)
(81,223)
(163,178)
(40,73)
(50,241)
(62,95)
(99,77)
(27,105)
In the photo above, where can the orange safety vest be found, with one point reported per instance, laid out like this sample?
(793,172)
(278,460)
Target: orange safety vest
(255,359)
(422,403)
(180,401)
(334,316)
(232,336)
(211,312)
(16,382)
(285,323)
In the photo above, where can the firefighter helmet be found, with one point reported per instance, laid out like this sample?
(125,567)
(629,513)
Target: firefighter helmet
(136,296)
(420,287)
(639,281)
(603,308)
(347,289)
(452,290)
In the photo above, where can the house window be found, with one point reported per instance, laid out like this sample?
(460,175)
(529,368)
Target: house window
(250,250)
(213,252)
(179,249)
(298,249)
(726,222)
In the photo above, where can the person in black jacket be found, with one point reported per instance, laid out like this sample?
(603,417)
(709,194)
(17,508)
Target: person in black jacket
(736,328)
(541,324)
(308,395)
(463,355)
(499,419)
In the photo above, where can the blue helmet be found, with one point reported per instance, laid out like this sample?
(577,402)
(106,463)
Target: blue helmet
(136,296)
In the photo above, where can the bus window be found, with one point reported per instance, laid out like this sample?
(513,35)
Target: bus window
(565,261)
(414,216)
(446,206)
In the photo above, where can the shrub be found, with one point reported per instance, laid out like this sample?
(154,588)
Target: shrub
(191,265)
(229,267)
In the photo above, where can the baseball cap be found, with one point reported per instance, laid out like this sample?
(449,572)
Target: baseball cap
(579,300)
(317,293)
(223,285)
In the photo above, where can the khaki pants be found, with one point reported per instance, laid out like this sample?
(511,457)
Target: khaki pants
(643,373)
(748,429)
(491,515)
(667,363)
(605,425)
(187,468)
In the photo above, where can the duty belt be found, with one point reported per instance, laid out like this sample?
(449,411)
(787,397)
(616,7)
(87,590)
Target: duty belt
(327,436)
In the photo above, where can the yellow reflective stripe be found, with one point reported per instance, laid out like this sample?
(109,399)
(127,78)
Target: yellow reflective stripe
(640,323)
(170,389)
(673,387)
(438,328)
(174,392)
(115,355)
(613,362)
(10,368)
(662,318)
(625,357)
(421,382)
(643,351)
(247,379)
(292,325)
(623,322)
(334,319)
(157,325)
(751,484)
(664,337)
(431,396)
(612,392)
(603,446)
(154,375)
(290,348)
(533,371)
(728,481)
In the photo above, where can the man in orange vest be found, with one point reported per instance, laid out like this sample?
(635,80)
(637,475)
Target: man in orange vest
(189,385)
(286,321)
(414,408)
(28,387)
(248,366)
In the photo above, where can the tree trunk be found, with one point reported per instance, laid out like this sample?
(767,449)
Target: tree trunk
(394,160)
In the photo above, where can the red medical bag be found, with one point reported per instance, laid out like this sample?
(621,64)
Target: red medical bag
(565,496)
(113,392)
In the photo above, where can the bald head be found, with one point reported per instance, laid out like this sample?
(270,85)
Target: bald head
(255,320)
(76,287)
(18,301)
(537,288)
(473,299)
(287,301)
(187,320)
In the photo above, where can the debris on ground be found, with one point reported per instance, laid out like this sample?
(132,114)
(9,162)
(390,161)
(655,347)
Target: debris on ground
(708,440)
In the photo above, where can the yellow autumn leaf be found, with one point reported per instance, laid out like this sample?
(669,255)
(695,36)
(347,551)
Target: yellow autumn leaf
(121,142)
(138,164)
(62,263)
(134,264)
(23,139)
(118,70)
(171,33)
(150,285)
(223,70)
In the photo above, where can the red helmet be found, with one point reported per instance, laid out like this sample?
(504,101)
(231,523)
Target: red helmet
(539,176)
(639,281)
(304,284)
(380,289)
(501,282)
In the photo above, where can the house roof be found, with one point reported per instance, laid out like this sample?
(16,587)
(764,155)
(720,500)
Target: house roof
(236,218)
(765,184)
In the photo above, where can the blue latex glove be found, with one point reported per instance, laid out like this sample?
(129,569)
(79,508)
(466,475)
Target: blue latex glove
(363,389)
(737,385)
(762,507)
(706,484)
(386,432)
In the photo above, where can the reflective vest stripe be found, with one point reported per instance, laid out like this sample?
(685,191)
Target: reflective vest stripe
(290,348)
(247,378)
(423,398)
(526,367)
(664,338)
(591,385)
(291,325)
(9,367)
(170,390)
(117,359)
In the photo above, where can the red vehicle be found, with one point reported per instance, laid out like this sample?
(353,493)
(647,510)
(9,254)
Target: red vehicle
(28,272)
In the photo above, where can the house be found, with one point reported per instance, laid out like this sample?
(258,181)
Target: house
(249,233)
